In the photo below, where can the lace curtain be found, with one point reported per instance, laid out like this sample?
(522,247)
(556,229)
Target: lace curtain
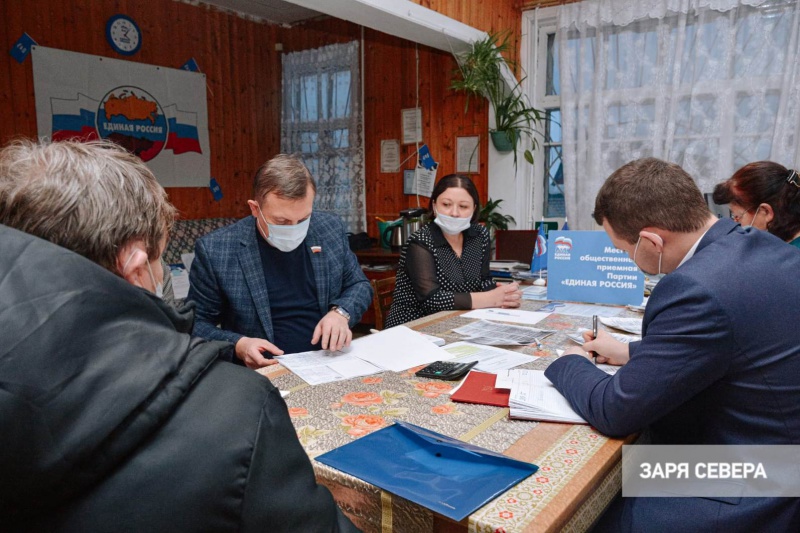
(321,120)
(708,84)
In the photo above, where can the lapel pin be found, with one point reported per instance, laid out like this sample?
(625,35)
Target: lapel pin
(316,249)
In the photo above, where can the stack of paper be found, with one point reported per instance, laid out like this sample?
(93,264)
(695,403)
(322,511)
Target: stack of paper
(397,349)
(489,359)
(631,325)
(494,334)
(533,397)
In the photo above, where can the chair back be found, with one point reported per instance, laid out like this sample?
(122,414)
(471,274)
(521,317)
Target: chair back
(382,294)
(515,244)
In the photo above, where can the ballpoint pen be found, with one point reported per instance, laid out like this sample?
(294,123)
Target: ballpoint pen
(594,336)
(538,343)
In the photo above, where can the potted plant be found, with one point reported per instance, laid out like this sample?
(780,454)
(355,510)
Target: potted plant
(492,219)
(480,74)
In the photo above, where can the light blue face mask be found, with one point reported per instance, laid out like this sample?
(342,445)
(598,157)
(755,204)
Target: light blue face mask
(285,238)
(452,225)
(636,249)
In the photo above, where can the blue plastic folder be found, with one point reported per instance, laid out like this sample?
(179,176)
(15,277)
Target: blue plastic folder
(445,475)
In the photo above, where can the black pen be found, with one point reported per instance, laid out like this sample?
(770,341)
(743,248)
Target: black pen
(594,336)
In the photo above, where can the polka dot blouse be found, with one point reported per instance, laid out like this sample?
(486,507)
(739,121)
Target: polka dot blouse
(431,278)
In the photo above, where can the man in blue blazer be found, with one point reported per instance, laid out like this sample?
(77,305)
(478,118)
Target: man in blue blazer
(719,358)
(284,281)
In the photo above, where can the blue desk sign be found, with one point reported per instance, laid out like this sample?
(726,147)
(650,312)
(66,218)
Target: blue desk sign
(583,266)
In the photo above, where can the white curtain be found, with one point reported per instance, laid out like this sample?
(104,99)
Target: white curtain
(708,84)
(322,121)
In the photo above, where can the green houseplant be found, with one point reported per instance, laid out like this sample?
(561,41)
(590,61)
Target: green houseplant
(492,219)
(480,75)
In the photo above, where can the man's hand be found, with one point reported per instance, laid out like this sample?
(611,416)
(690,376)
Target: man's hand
(249,350)
(334,332)
(608,349)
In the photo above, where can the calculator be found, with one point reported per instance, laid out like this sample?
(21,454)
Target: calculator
(445,370)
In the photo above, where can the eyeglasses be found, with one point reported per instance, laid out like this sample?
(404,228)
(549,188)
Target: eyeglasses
(738,218)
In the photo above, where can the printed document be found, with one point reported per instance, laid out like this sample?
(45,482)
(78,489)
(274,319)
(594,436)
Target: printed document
(397,349)
(322,366)
(631,325)
(508,315)
(564,308)
(489,359)
(533,397)
(494,334)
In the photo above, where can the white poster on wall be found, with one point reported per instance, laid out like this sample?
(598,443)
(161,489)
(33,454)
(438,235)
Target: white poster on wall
(412,125)
(159,114)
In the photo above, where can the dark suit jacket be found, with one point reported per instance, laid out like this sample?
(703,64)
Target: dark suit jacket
(228,285)
(719,363)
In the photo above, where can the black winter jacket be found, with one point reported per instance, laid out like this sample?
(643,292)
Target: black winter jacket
(112,418)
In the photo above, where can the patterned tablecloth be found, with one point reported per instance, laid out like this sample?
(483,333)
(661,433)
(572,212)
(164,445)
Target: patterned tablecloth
(579,469)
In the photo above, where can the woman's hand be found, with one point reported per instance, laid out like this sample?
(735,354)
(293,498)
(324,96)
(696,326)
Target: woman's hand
(504,295)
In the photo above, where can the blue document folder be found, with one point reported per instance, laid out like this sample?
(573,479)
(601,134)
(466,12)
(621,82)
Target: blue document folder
(446,475)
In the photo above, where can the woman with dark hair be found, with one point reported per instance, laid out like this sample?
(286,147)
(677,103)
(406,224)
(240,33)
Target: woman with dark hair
(766,196)
(445,265)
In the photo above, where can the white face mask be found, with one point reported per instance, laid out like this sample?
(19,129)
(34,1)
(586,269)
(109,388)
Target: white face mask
(636,249)
(750,225)
(286,238)
(452,225)
(159,286)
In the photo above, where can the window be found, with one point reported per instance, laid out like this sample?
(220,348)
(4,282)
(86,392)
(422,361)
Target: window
(321,120)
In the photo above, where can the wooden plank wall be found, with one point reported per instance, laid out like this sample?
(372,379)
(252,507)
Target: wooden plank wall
(243,68)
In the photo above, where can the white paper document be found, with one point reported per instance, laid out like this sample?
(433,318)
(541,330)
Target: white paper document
(534,397)
(322,366)
(631,325)
(180,282)
(187,260)
(489,359)
(397,349)
(508,315)
(494,334)
(577,337)
(564,308)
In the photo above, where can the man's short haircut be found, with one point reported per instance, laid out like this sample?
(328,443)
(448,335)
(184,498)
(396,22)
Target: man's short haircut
(286,176)
(90,197)
(650,192)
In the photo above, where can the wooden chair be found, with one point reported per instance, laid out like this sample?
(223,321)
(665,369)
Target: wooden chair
(515,244)
(382,294)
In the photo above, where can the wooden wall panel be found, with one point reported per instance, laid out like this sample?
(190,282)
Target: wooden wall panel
(243,69)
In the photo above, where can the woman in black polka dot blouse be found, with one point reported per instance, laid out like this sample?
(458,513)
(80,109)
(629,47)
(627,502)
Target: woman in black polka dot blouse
(445,265)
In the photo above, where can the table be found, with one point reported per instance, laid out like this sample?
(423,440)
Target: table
(579,468)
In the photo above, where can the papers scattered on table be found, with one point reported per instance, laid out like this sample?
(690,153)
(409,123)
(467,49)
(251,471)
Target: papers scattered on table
(580,309)
(489,359)
(397,349)
(494,334)
(438,341)
(180,281)
(533,397)
(508,315)
(631,325)
(322,366)
(578,337)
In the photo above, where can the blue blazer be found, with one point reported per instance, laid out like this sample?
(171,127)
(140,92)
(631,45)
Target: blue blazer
(718,363)
(229,289)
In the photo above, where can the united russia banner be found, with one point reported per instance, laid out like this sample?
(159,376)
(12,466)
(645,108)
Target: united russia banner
(159,114)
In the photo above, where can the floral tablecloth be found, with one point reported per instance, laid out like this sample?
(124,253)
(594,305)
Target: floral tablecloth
(579,469)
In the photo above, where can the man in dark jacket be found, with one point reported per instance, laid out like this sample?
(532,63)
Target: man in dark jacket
(113,417)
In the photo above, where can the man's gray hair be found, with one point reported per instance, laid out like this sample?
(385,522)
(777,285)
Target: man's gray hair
(286,176)
(90,197)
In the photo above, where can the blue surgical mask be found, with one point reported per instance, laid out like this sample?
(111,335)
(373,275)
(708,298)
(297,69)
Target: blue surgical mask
(750,225)
(452,225)
(285,238)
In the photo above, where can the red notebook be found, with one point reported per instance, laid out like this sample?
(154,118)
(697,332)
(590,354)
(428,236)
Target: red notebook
(479,388)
